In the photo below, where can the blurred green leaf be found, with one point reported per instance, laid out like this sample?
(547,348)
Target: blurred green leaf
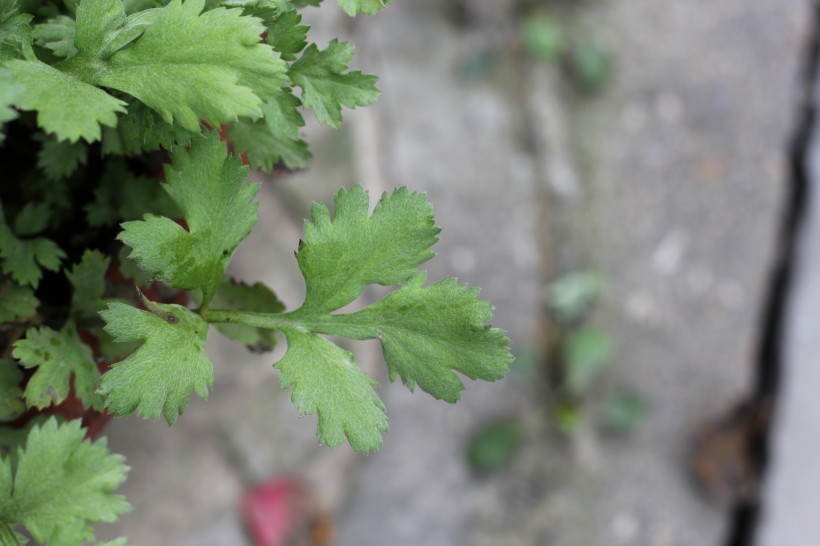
(573,294)
(567,416)
(543,37)
(590,66)
(525,365)
(493,447)
(586,354)
(624,411)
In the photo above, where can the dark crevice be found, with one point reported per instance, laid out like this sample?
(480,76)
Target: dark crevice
(746,516)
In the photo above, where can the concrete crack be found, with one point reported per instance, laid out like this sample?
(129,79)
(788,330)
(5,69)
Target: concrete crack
(744,527)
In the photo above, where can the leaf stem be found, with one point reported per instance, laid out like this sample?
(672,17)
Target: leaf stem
(340,325)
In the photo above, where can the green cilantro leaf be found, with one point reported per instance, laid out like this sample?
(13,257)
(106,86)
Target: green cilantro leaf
(122,195)
(325,379)
(209,187)
(15,32)
(32,219)
(88,280)
(65,106)
(17,302)
(274,139)
(61,485)
(368,7)
(237,295)
(326,87)
(10,92)
(11,396)
(142,130)
(286,35)
(262,149)
(427,332)
(60,158)
(58,358)
(157,379)
(56,35)
(215,69)
(341,256)
(24,259)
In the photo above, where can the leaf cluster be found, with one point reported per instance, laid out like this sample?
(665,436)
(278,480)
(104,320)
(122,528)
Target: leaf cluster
(129,128)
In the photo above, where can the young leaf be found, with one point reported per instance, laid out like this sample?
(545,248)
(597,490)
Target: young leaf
(274,139)
(24,259)
(286,35)
(62,484)
(259,298)
(341,256)
(143,130)
(15,32)
(58,357)
(157,379)
(17,302)
(11,396)
(65,106)
(209,187)
(32,219)
(586,354)
(60,158)
(325,379)
(57,35)
(368,7)
(265,150)
(190,65)
(326,87)
(88,280)
(122,195)
(427,333)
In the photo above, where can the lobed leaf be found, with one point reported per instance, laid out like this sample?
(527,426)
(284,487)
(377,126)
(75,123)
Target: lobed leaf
(340,256)
(326,380)
(24,259)
(156,379)
(62,483)
(426,333)
(368,7)
(286,35)
(15,32)
(56,35)
(88,280)
(274,139)
(326,87)
(60,158)
(215,70)
(11,395)
(66,106)
(209,187)
(60,359)
(17,302)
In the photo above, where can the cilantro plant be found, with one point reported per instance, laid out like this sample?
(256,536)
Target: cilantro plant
(128,129)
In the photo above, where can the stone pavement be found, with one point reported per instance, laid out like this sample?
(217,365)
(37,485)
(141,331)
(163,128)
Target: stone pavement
(669,183)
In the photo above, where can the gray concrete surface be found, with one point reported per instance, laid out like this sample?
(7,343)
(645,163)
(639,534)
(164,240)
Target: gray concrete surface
(669,183)
(681,176)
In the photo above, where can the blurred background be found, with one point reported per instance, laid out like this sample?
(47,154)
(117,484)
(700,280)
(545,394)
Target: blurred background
(623,179)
